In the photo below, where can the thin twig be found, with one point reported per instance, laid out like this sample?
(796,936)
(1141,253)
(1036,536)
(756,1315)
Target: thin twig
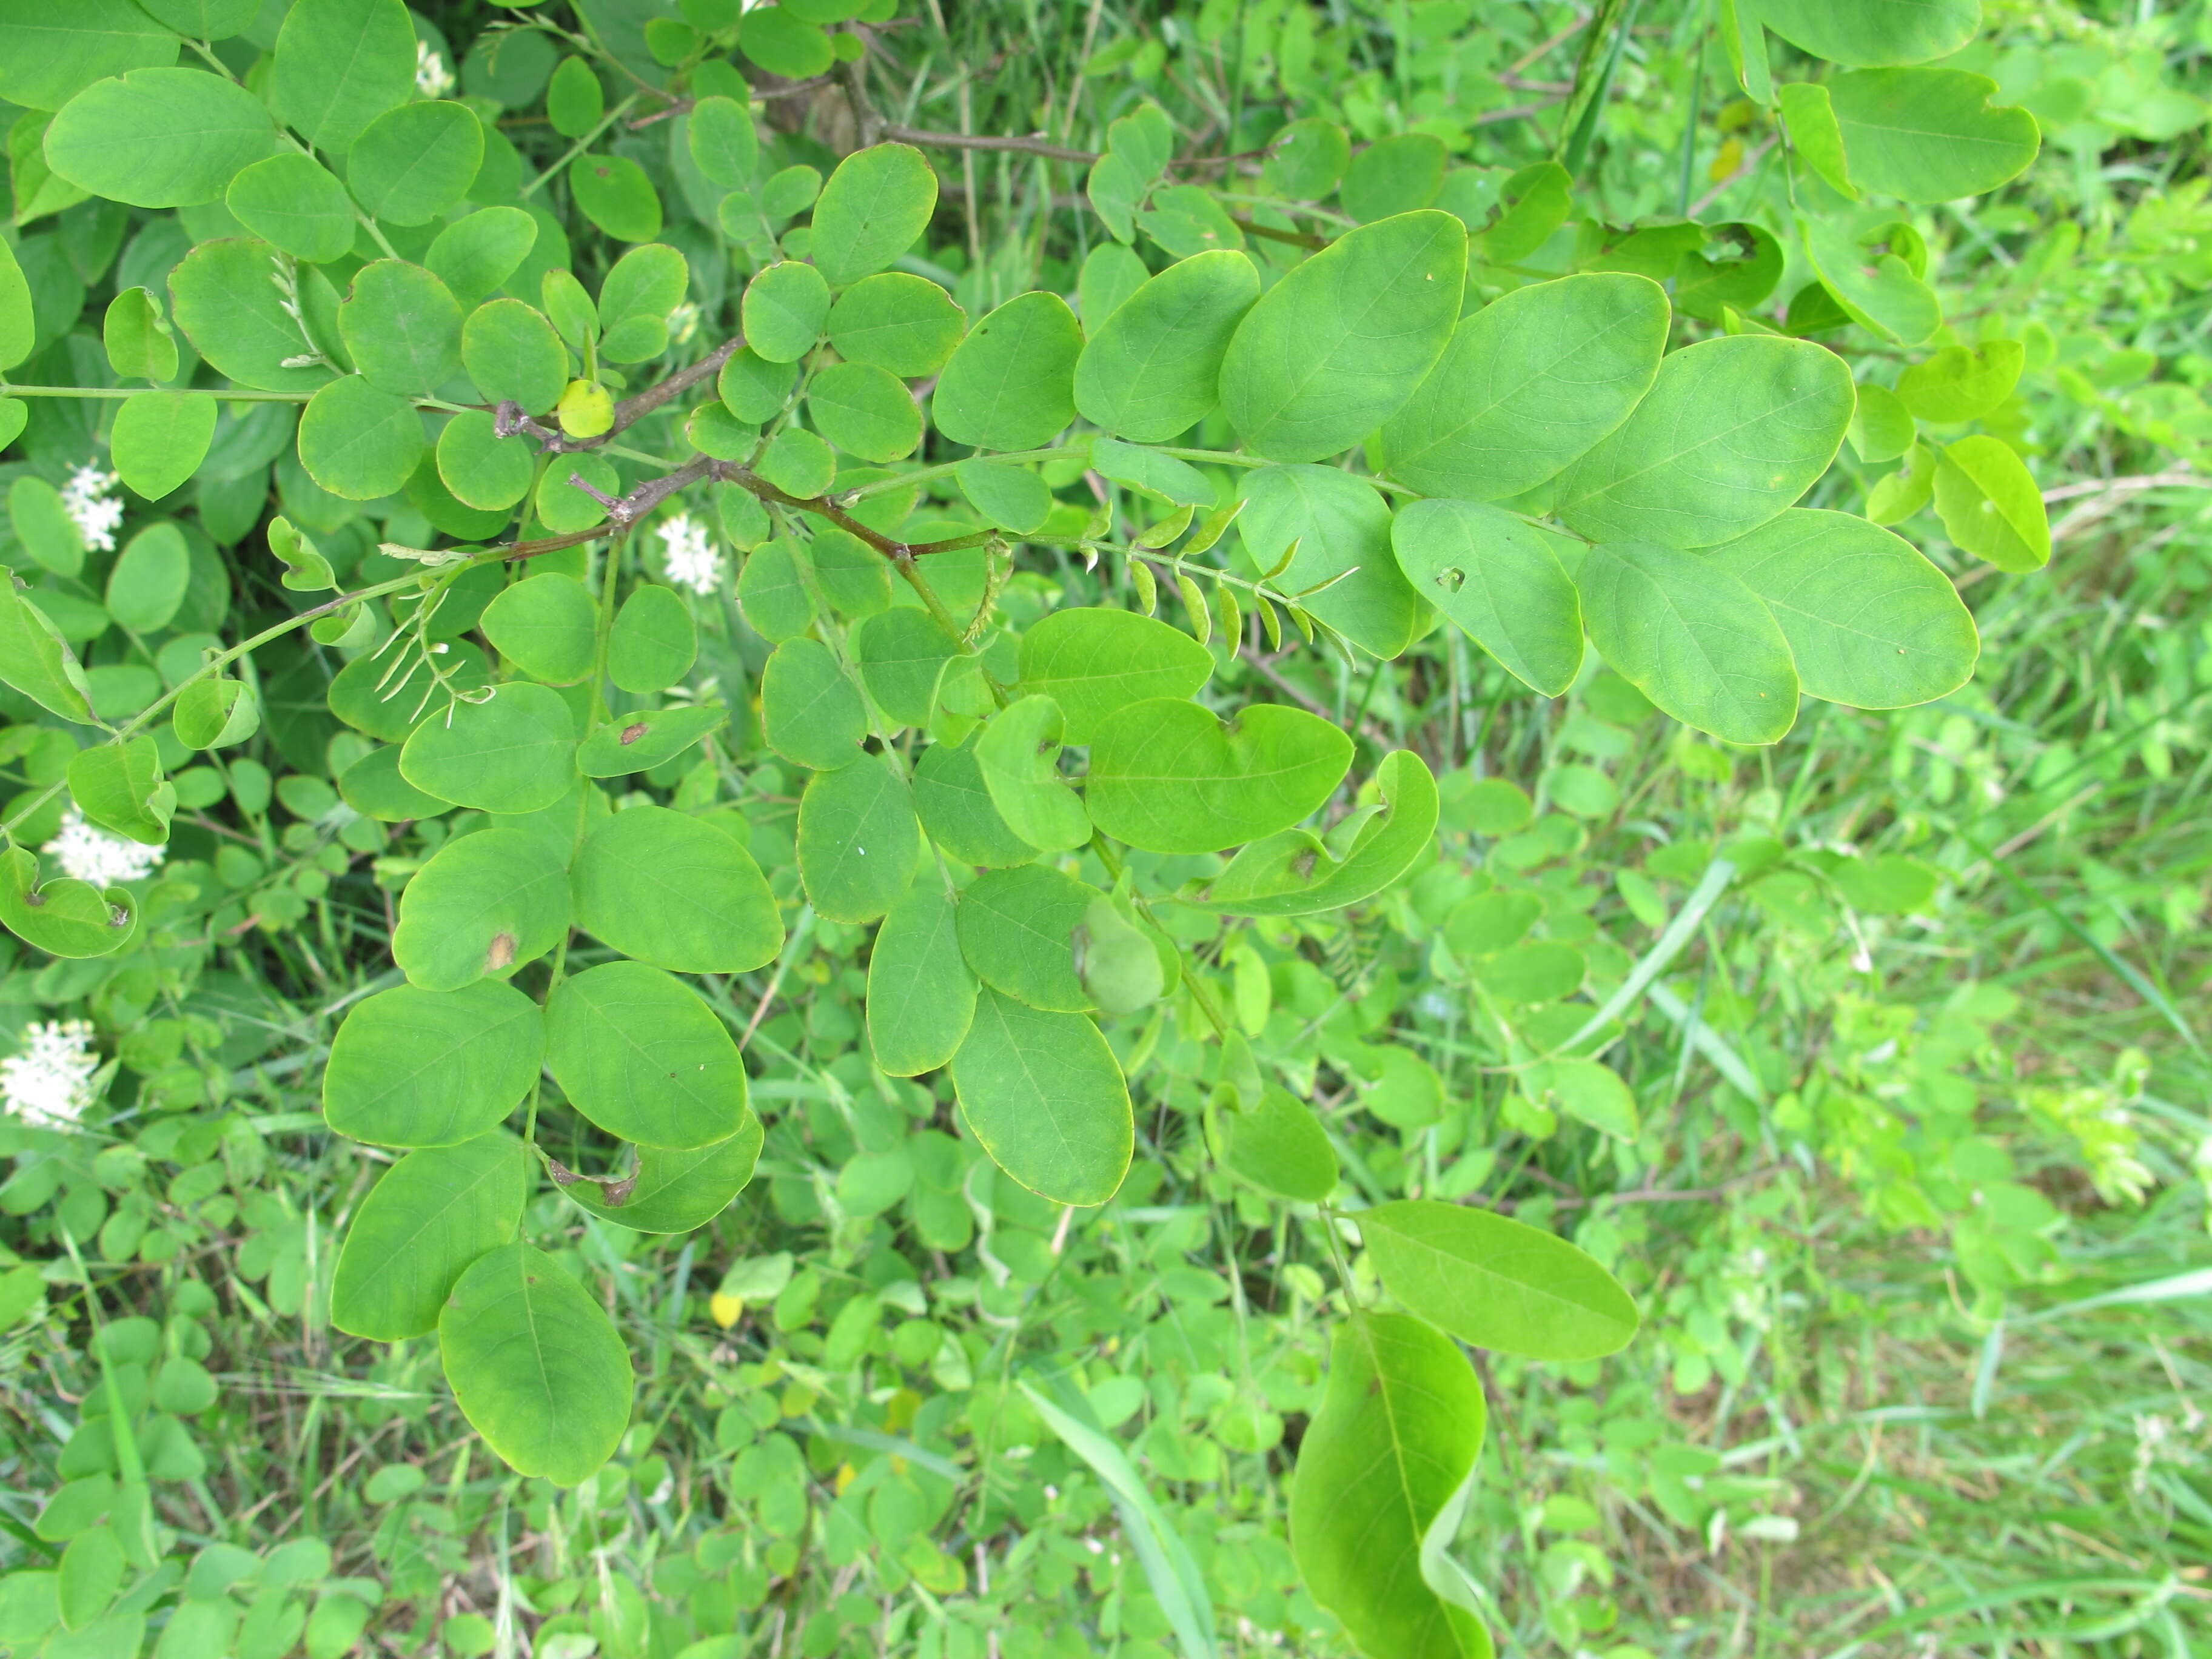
(510,418)
(1051,152)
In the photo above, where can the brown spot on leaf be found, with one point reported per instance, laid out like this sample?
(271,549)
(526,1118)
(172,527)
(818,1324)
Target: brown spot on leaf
(632,733)
(502,954)
(617,1192)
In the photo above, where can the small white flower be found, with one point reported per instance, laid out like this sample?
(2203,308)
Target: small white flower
(432,78)
(88,499)
(88,855)
(689,555)
(48,1082)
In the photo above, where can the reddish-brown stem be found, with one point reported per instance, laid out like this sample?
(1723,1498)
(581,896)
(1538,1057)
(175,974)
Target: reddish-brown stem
(628,413)
(625,510)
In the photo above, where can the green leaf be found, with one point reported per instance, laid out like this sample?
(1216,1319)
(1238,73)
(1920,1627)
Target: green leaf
(1930,134)
(810,713)
(150,575)
(1961,383)
(955,807)
(411,1067)
(638,1053)
(511,351)
(118,787)
(673,1192)
(1529,384)
(372,786)
(547,626)
(1111,274)
(754,389)
(432,1214)
(784,311)
(1011,497)
(360,442)
(482,469)
(160,439)
(49,53)
(772,592)
(875,204)
(43,526)
(901,655)
(1394,1441)
(139,343)
(341,64)
(37,661)
(1874,35)
(293,203)
(1990,504)
(1878,290)
(65,917)
(1399,174)
(18,322)
(617,195)
(1279,1146)
(575,99)
(1338,345)
(781,42)
(412,163)
(903,323)
(1016,932)
(1733,431)
(402,327)
(645,285)
(159,138)
(1871,622)
(483,904)
(512,753)
(475,255)
(724,143)
(1306,158)
(1692,637)
(653,640)
(1170,776)
(1151,369)
(675,891)
(1814,134)
(215,714)
(1011,383)
(1018,755)
(536,1366)
(921,994)
(1043,1095)
(1882,427)
(1342,529)
(1496,577)
(1497,1284)
(1093,661)
(857,839)
(1587,1092)
(224,299)
(1293,874)
(865,411)
(306,570)
(643,740)
(1152,471)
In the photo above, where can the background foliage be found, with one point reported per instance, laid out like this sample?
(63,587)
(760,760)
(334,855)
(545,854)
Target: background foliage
(1904,1166)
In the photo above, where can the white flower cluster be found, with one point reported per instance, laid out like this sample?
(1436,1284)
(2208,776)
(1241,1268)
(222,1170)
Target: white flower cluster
(432,78)
(88,855)
(48,1082)
(88,498)
(689,553)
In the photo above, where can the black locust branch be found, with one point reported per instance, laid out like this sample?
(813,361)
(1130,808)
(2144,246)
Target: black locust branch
(509,418)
